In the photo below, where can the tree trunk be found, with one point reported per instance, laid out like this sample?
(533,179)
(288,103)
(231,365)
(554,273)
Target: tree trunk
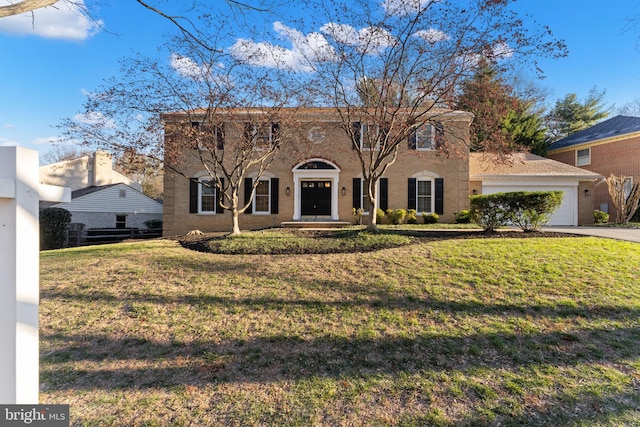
(235,221)
(373,218)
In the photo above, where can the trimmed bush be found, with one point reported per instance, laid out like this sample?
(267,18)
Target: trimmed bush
(463,217)
(529,210)
(53,227)
(600,217)
(379,216)
(396,216)
(411,217)
(430,218)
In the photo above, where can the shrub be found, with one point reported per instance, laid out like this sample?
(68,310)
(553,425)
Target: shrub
(529,210)
(153,223)
(430,218)
(600,217)
(396,216)
(379,215)
(357,214)
(411,217)
(463,217)
(53,227)
(487,210)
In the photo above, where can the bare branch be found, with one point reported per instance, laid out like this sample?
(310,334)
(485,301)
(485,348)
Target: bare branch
(24,6)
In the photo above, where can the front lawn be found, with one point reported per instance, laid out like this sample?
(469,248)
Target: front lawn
(476,331)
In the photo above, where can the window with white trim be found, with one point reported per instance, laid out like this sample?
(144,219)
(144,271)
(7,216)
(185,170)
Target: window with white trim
(261,199)
(627,186)
(583,157)
(425,137)
(207,196)
(424,195)
(262,136)
(367,135)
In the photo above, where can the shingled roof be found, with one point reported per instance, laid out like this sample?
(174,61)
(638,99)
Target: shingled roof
(616,126)
(524,165)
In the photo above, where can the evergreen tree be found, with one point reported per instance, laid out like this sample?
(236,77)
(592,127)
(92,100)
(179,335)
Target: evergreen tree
(570,115)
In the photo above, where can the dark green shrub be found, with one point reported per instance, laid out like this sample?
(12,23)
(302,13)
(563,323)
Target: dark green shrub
(396,216)
(379,216)
(488,211)
(463,217)
(531,210)
(430,218)
(153,223)
(411,217)
(600,217)
(53,227)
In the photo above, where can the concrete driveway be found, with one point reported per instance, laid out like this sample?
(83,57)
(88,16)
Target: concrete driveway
(628,234)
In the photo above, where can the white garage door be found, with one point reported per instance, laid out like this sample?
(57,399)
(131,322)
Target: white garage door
(567,213)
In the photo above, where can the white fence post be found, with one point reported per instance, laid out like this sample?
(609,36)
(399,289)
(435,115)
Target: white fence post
(20,194)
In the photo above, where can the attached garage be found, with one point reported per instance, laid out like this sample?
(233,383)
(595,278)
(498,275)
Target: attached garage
(528,172)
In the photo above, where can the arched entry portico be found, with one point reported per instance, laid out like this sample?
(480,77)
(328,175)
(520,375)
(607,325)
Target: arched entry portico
(315,190)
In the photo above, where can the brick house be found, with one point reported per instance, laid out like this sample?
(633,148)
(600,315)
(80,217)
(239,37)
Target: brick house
(316,175)
(612,146)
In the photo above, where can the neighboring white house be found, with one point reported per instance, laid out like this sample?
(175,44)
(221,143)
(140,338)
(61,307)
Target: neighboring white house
(101,197)
(93,170)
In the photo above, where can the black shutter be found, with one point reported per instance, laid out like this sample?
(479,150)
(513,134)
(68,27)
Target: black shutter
(248,184)
(411,194)
(193,195)
(275,133)
(220,136)
(219,192)
(412,140)
(384,194)
(439,196)
(357,193)
(439,137)
(274,195)
(357,128)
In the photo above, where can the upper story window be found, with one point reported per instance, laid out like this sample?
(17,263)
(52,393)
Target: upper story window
(426,137)
(209,135)
(583,157)
(261,136)
(367,136)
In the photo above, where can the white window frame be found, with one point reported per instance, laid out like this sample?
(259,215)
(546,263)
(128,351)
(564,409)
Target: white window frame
(432,188)
(583,160)
(201,194)
(425,133)
(364,196)
(627,186)
(256,135)
(216,129)
(368,126)
(254,204)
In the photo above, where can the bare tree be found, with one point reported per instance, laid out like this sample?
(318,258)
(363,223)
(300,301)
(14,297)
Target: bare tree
(625,193)
(388,68)
(24,6)
(194,106)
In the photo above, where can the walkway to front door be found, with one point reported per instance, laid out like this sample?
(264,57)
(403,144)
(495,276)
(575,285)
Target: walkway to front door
(316,198)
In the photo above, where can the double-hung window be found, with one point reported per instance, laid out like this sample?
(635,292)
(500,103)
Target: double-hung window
(261,201)
(261,136)
(209,136)
(583,157)
(366,136)
(425,137)
(207,195)
(424,196)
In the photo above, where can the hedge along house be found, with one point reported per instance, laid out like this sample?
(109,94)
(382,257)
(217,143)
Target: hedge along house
(316,175)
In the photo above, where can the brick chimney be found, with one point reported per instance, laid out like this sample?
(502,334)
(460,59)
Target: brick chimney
(102,166)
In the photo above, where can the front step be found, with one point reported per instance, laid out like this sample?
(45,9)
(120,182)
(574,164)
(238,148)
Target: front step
(315,224)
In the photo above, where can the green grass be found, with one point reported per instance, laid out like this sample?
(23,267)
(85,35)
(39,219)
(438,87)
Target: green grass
(449,332)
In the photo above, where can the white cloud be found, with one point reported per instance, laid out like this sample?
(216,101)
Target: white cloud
(432,35)
(64,20)
(404,7)
(9,126)
(6,142)
(94,118)
(305,50)
(366,40)
(186,67)
(51,140)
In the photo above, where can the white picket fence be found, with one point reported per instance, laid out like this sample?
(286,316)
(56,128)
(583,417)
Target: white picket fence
(20,194)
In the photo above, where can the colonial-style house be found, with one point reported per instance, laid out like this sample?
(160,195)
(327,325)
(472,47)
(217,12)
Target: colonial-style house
(610,147)
(316,174)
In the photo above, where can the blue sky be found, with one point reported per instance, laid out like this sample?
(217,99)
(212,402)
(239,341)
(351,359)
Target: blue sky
(48,68)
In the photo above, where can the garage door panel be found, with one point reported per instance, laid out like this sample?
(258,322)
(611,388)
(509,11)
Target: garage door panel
(566,213)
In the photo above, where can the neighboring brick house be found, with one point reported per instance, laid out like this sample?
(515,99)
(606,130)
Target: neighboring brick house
(610,147)
(316,176)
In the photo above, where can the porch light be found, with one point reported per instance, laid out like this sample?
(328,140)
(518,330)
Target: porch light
(344,191)
(586,192)
(288,191)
